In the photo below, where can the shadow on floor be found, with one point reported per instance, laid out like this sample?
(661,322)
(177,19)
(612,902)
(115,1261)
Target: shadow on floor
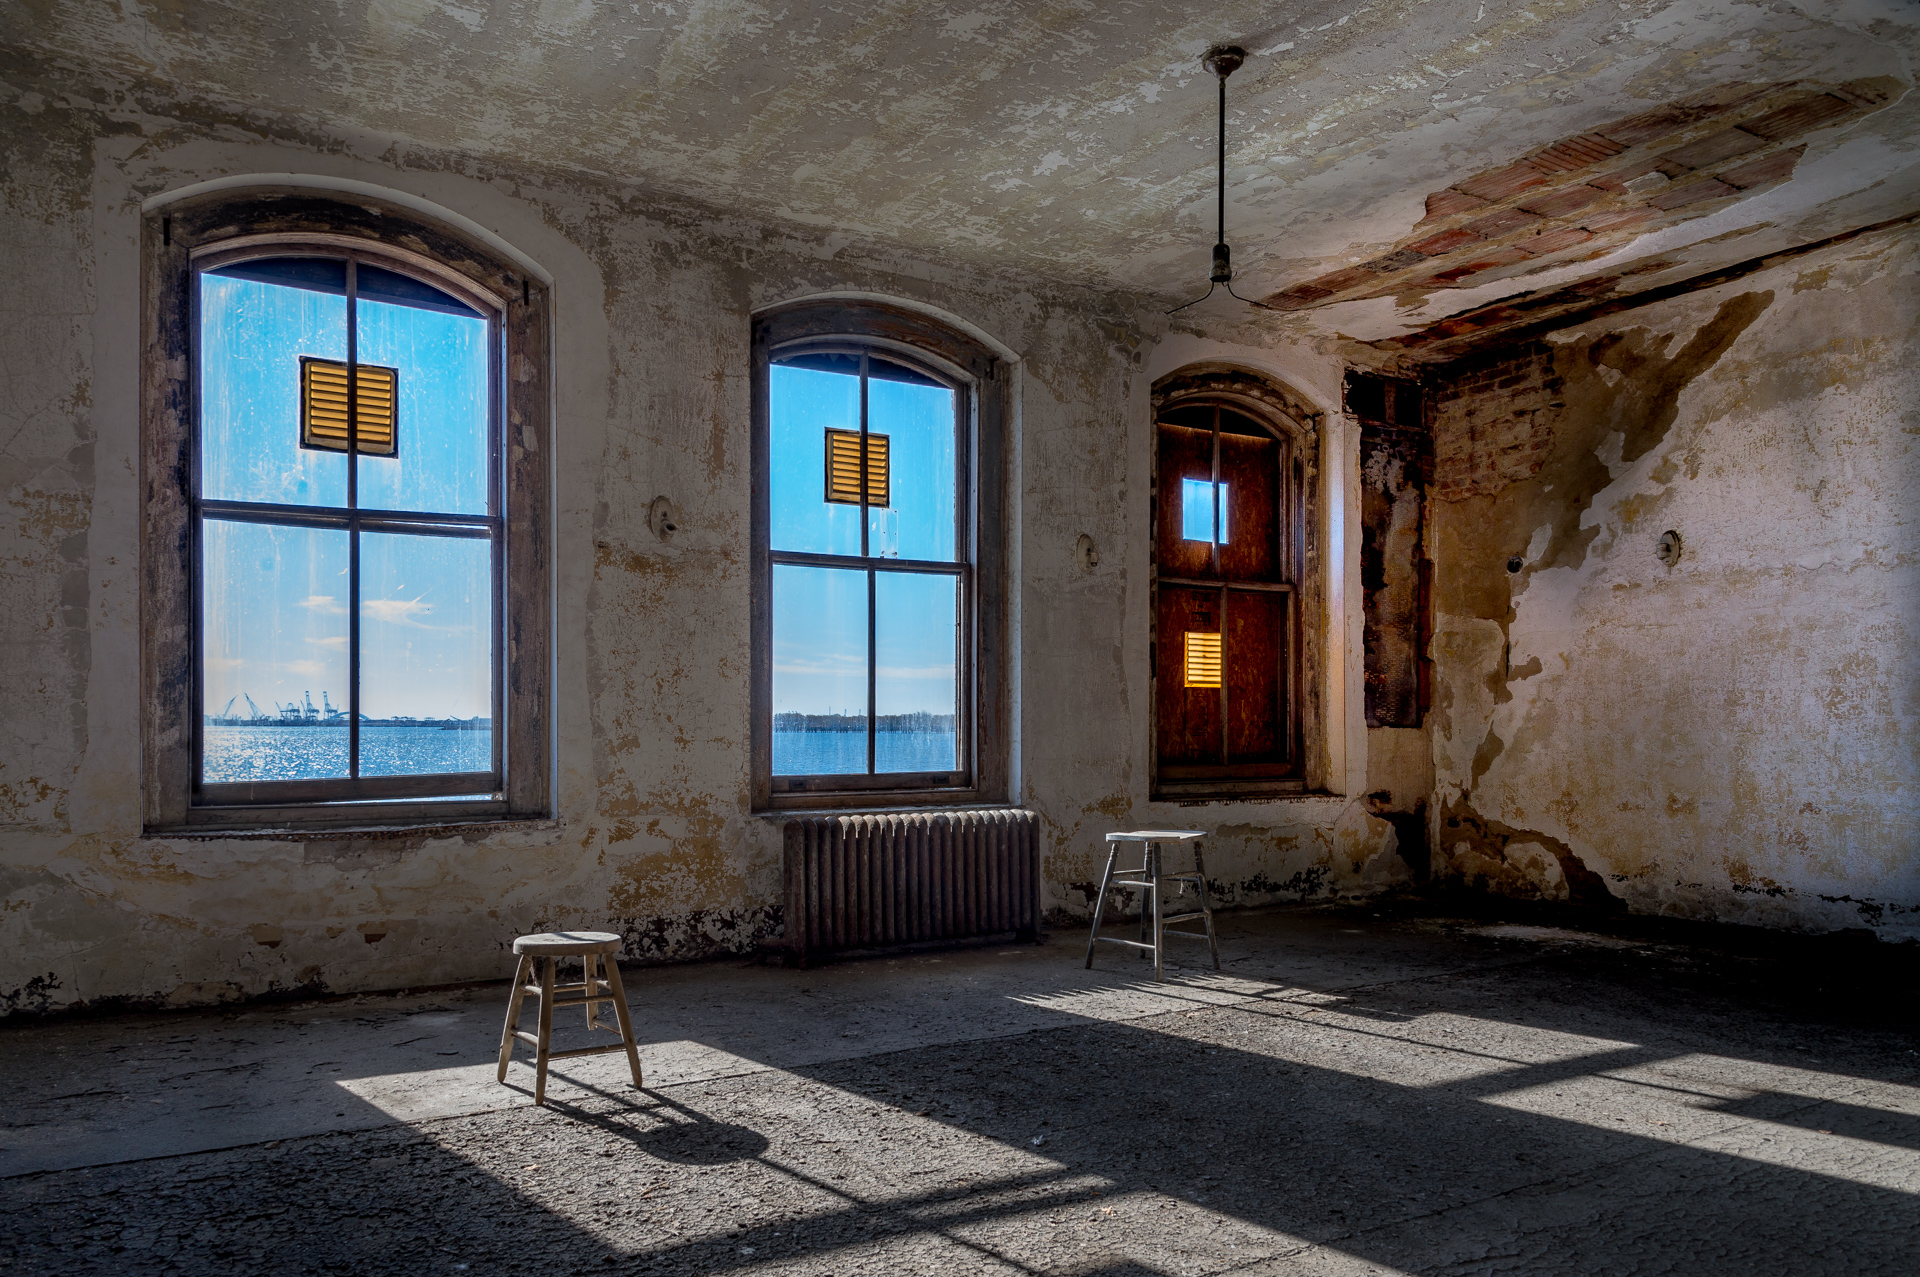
(1303,1127)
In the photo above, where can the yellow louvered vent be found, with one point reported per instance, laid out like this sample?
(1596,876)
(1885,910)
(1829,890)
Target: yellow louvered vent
(1203,659)
(323,407)
(843,469)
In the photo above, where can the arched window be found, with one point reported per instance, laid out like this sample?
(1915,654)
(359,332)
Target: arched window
(877,552)
(1235,597)
(351,539)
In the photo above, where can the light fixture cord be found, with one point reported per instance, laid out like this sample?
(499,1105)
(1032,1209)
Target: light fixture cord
(1222,270)
(1220,236)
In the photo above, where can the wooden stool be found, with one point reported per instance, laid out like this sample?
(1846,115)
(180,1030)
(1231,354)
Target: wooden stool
(593,949)
(1147,880)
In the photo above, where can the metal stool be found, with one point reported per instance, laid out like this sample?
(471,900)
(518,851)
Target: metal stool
(594,949)
(1147,879)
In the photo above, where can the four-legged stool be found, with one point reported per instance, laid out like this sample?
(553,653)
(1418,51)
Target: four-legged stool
(1148,879)
(594,949)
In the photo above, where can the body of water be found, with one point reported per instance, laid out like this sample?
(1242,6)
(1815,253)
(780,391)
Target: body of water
(248,752)
(844,753)
(275,752)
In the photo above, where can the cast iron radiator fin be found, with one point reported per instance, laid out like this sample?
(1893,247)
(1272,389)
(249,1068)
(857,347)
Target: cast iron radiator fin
(878,882)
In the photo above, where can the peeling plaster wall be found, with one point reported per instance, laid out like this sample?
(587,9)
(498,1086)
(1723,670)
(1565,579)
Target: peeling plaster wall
(652,835)
(1732,736)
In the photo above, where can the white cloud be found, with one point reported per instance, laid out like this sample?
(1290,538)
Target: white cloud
(910,671)
(396,611)
(839,666)
(323,603)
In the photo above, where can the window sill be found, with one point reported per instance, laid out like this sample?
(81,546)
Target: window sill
(281,825)
(868,805)
(1219,791)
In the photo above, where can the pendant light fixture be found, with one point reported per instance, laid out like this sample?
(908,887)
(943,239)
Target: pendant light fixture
(1223,60)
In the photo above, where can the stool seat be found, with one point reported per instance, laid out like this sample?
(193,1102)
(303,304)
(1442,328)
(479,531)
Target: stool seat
(567,944)
(1157,835)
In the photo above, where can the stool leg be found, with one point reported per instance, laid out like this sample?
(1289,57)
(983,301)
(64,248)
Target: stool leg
(621,1014)
(592,983)
(1206,905)
(1146,898)
(1100,901)
(546,1031)
(522,969)
(1159,930)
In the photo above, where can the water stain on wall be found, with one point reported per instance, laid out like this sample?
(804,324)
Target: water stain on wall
(1579,416)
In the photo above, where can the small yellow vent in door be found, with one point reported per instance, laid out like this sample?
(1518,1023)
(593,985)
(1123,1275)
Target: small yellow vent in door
(843,469)
(323,407)
(1203,659)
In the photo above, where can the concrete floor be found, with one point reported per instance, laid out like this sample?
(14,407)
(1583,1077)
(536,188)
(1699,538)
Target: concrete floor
(1358,1091)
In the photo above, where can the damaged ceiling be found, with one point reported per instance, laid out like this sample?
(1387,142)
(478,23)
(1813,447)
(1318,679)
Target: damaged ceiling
(1408,174)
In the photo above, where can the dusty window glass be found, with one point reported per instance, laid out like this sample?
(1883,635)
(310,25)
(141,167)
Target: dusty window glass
(348,528)
(867,574)
(1199,511)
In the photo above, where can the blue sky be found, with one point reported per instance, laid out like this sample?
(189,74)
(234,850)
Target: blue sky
(1196,511)
(276,598)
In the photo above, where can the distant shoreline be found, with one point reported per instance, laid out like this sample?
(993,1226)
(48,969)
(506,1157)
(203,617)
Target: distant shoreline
(918,722)
(444,724)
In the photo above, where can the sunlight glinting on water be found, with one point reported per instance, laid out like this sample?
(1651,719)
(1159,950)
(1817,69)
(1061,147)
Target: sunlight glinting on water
(249,753)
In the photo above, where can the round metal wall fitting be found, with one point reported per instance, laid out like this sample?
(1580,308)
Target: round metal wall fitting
(1224,59)
(664,518)
(1668,551)
(1516,563)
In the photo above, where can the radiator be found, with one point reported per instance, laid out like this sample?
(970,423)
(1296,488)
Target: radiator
(880,882)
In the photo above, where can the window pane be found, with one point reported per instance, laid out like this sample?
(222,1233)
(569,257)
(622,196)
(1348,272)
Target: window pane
(1256,684)
(1252,467)
(426,655)
(441,464)
(252,335)
(819,671)
(1196,511)
(275,607)
(918,421)
(805,404)
(1188,713)
(916,648)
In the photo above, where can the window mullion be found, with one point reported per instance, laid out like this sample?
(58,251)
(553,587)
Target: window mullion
(1226,728)
(873,670)
(1214,487)
(353,521)
(1214,550)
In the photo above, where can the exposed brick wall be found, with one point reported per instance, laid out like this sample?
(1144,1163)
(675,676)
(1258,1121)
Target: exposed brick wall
(1491,424)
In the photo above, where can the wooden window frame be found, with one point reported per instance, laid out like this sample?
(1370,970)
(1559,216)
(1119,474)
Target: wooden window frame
(1392,414)
(190,236)
(979,379)
(1297,425)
